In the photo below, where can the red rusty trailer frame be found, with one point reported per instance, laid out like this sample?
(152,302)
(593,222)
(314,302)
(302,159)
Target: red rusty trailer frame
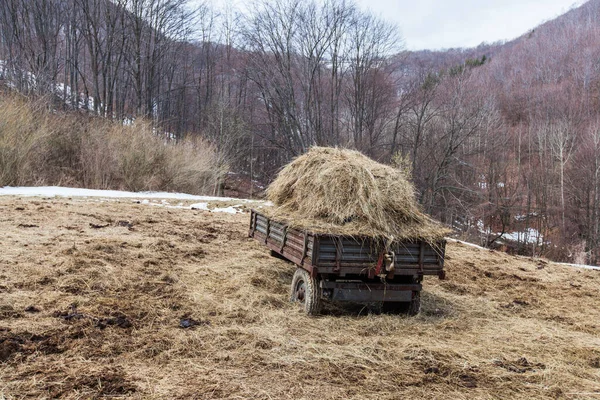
(347,268)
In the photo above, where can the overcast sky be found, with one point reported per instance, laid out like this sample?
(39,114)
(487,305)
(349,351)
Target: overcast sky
(436,24)
(442,24)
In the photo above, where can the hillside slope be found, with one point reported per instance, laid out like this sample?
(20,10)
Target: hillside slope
(93,296)
(502,138)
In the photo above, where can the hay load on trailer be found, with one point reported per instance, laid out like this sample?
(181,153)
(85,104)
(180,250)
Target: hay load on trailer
(353,228)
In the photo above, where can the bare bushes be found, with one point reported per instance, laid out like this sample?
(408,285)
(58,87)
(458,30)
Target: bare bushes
(136,158)
(38,147)
(19,136)
(193,164)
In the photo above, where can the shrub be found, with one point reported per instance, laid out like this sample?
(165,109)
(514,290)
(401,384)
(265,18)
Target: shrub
(42,147)
(19,135)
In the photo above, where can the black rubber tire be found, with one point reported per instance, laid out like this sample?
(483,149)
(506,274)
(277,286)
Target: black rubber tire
(406,307)
(306,291)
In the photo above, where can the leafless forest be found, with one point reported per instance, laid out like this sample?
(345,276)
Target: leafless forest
(502,138)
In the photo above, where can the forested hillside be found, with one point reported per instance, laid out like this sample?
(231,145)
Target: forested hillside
(502,141)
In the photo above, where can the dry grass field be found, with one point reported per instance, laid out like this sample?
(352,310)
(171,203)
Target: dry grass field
(93,297)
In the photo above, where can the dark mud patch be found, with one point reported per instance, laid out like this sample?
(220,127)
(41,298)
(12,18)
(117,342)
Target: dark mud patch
(519,366)
(108,382)
(28,343)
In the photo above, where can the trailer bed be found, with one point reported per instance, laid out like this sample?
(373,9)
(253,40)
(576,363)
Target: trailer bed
(346,256)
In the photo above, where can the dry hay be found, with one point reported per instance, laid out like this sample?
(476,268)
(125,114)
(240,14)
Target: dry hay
(331,190)
(110,301)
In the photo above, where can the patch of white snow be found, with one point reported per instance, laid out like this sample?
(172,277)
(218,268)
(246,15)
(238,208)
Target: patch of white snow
(58,191)
(200,206)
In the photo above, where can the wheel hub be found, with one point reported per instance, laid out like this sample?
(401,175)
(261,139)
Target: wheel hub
(301,291)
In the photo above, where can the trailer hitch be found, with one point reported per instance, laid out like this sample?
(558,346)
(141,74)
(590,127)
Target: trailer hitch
(389,260)
(385,264)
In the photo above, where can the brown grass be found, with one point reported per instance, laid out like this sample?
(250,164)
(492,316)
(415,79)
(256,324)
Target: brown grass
(344,192)
(18,140)
(109,302)
(41,147)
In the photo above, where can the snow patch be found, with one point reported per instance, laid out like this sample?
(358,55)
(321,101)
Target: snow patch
(204,207)
(200,206)
(530,236)
(58,191)
(158,199)
(229,210)
(592,267)
(466,243)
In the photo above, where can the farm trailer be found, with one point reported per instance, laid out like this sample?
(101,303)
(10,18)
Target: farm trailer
(348,268)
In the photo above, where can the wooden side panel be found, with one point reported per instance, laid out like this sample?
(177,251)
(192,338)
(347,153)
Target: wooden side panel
(365,253)
(333,254)
(283,240)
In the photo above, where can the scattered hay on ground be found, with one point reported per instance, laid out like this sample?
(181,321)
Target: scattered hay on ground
(344,192)
(91,313)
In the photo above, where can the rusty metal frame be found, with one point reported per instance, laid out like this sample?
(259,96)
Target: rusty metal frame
(316,248)
(361,291)
(339,248)
(268,231)
(421,255)
(253,217)
(294,247)
(284,238)
(304,248)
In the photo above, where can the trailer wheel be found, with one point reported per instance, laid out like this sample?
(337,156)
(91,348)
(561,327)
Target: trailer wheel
(406,307)
(306,291)
(415,304)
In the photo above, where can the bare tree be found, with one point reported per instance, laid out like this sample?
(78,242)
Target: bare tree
(562,138)
(31,31)
(309,61)
(370,42)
